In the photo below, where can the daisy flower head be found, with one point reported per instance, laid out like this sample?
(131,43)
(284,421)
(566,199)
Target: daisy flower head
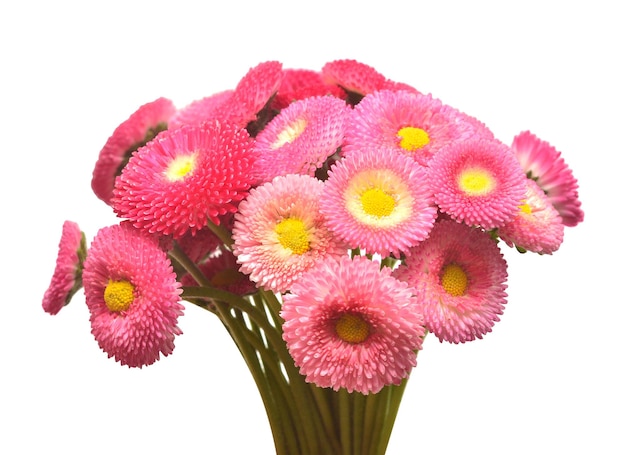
(301,137)
(67,277)
(132,295)
(298,84)
(203,110)
(379,201)
(140,128)
(414,124)
(544,164)
(279,232)
(350,324)
(478,182)
(538,227)
(185,177)
(459,276)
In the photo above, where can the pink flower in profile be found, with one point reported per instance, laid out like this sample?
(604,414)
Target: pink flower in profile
(140,128)
(279,232)
(538,227)
(301,137)
(459,277)
(132,295)
(67,277)
(185,177)
(411,123)
(298,84)
(349,324)
(544,164)
(378,200)
(478,182)
(222,272)
(206,109)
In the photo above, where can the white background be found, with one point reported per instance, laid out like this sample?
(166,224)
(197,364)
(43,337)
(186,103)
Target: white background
(548,379)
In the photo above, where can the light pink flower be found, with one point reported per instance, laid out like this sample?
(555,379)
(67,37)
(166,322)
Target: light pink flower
(378,200)
(132,295)
(544,164)
(349,324)
(67,277)
(459,277)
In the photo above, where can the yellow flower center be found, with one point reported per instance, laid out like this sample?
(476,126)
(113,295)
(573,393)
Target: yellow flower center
(118,295)
(352,328)
(292,235)
(377,203)
(525,208)
(180,167)
(476,182)
(225,277)
(413,138)
(454,280)
(289,134)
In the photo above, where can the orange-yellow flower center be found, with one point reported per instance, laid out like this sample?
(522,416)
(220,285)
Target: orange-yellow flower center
(476,182)
(525,208)
(180,167)
(377,203)
(289,134)
(412,138)
(454,280)
(118,295)
(352,328)
(293,235)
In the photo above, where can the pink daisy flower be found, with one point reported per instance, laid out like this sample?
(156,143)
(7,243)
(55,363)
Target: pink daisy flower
(378,200)
(279,232)
(199,245)
(185,177)
(544,164)
(298,84)
(411,123)
(349,324)
(459,277)
(132,295)
(200,111)
(538,227)
(67,277)
(140,128)
(301,137)
(222,271)
(478,182)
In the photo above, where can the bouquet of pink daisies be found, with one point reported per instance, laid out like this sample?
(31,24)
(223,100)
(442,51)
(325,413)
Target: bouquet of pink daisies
(330,219)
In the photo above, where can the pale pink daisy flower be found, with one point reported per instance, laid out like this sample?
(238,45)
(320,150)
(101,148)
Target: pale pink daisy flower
(538,227)
(132,295)
(413,124)
(459,276)
(478,182)
(279,232)
(379,201)
(544,164)
(222,271)
(67,277)
(350,324)
(301,137)
(298,84)
(140,128)
(185,177)
(200,111)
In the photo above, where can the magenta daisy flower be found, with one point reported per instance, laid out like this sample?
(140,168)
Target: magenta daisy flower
(132,295)
(279,232)
(298,84)
(206,109)
(140,128)
(413,124)
(185,177)
(378,200)
(478,182)
(67,277)
(538,227)
(544,164)
(349,324)
(222,272)
(459,276)
(300,138)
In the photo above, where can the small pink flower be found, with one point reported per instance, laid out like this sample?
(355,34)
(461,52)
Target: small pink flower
(279,232)
(298,84)
(140,128)
(478,182)
(206,109)
(349,324)
(544,164)
(67,277)
(378,200)
(185,177)
(459,277)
